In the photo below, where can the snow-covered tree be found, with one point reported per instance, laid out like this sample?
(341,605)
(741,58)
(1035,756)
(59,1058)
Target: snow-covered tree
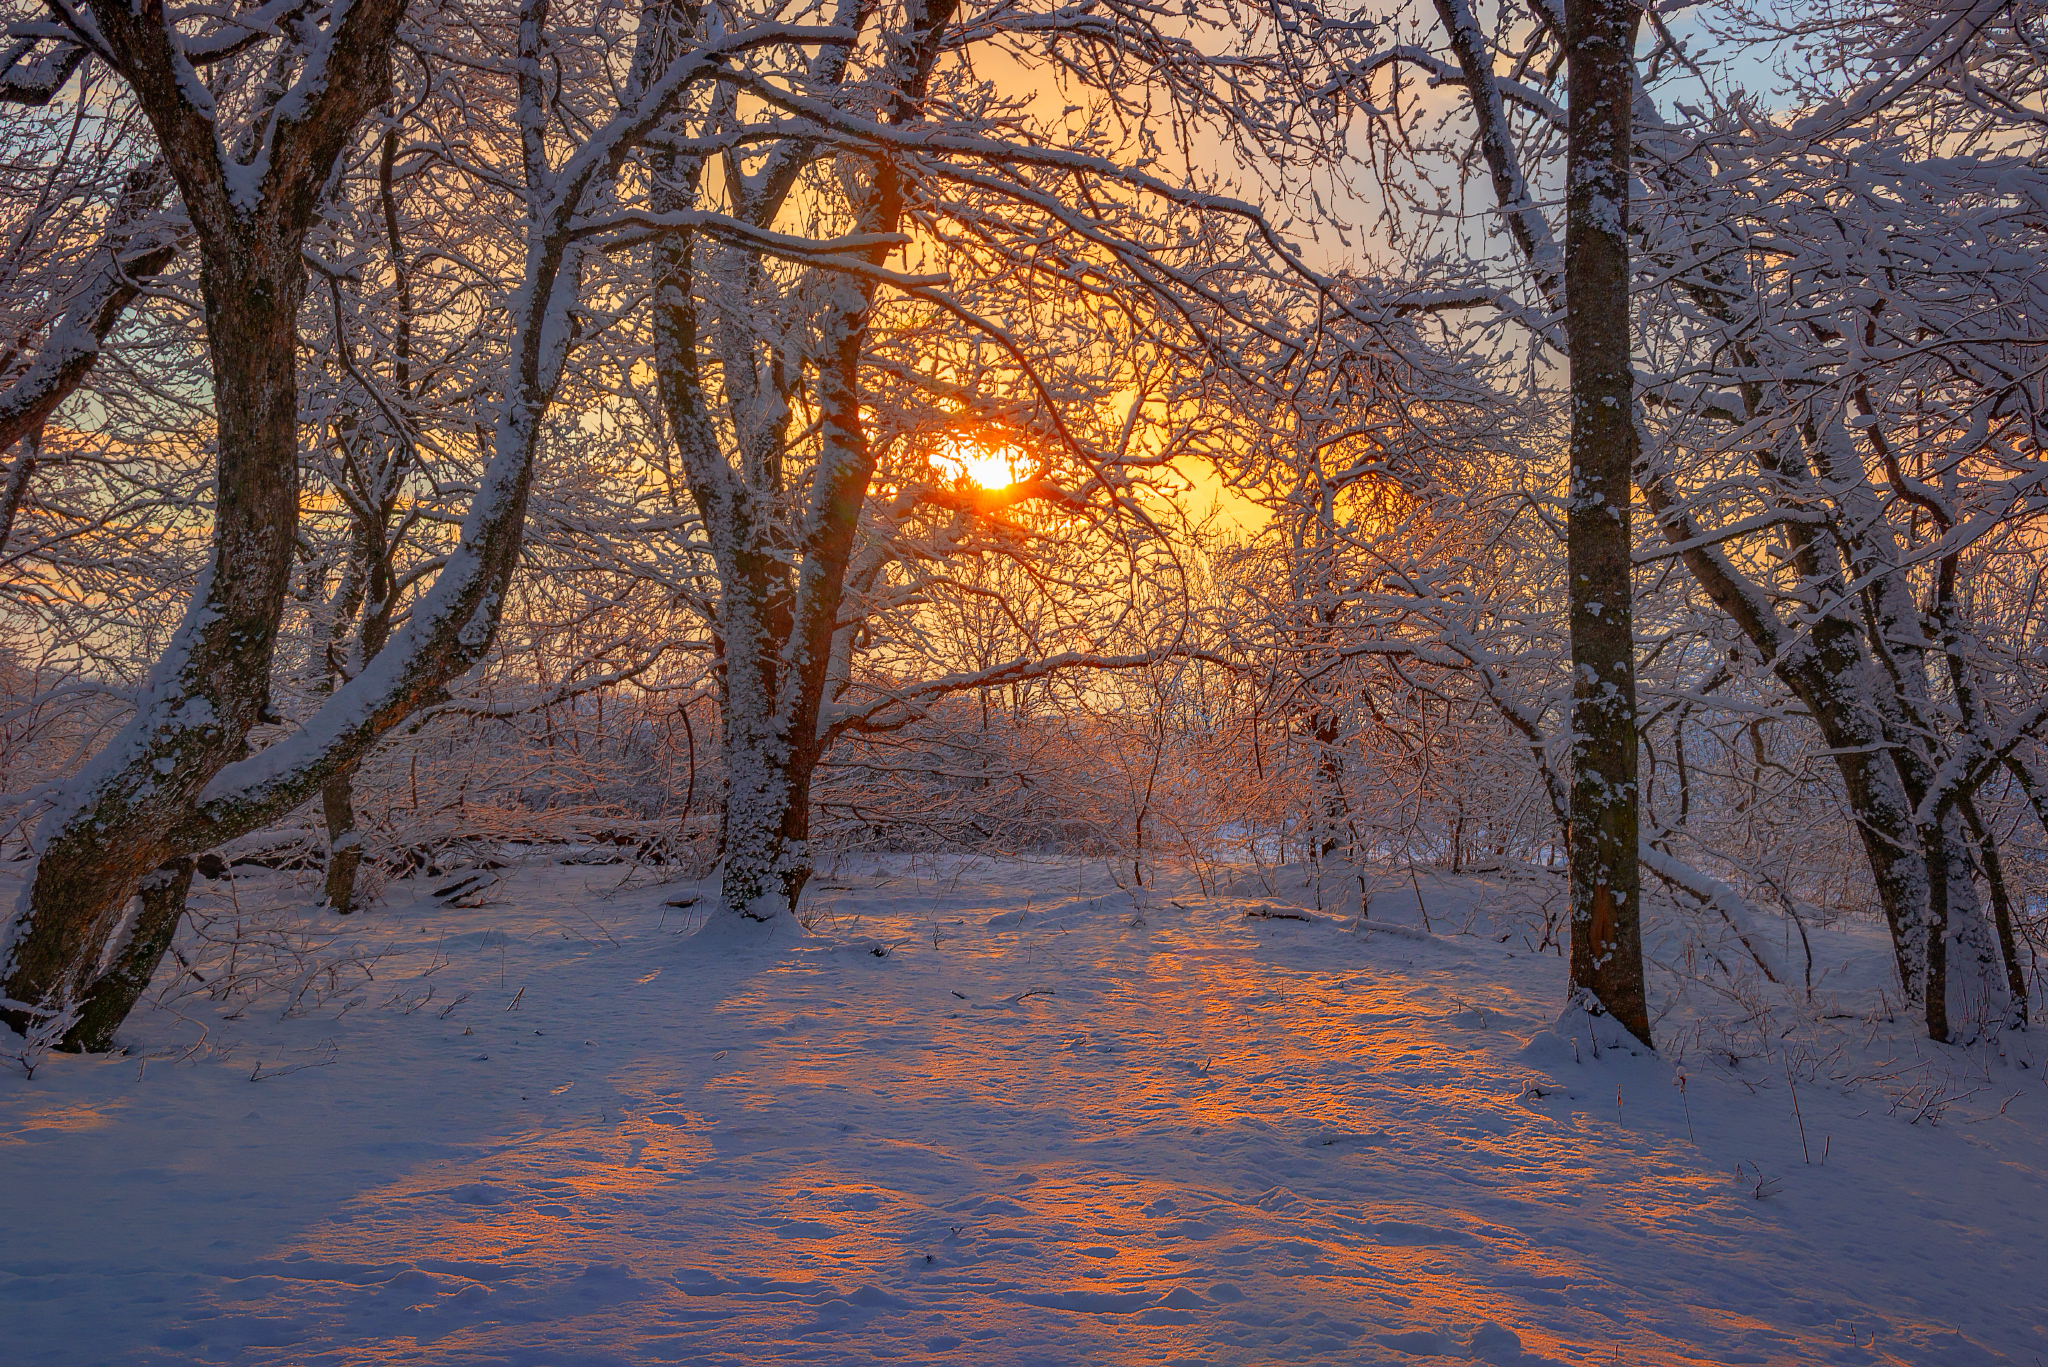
(1834,312)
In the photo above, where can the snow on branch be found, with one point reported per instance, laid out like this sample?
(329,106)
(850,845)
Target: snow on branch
(454,622)
(37,81)
(138,243)
(1717,896)
(912,702)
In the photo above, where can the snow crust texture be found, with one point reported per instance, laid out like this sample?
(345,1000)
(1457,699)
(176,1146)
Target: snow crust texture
(997,1113)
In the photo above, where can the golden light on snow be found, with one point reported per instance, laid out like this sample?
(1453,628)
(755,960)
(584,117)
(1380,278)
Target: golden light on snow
(1044,1128)
(1100,1154)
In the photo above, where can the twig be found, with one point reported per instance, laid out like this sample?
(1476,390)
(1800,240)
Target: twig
(258,1075)
(1803,1150)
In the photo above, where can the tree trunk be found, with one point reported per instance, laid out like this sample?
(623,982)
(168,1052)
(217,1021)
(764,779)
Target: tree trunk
(1862,669)
(1863,711)
(781,553)
(777,642)
(366,588)
(344,841)
(1333,810)
(767,831)
(1606,958)
(2001,910)
(1978,996)
(766,803)
(15,491)
(159,905)
(212,684)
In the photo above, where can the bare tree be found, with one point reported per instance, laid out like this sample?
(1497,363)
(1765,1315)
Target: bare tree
(165,786)
(983,228)
(1778,302)
(250,207)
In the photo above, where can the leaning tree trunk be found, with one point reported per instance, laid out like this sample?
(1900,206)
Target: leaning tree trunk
(1606,884)
(212,684)
(1830,662)
(447,630)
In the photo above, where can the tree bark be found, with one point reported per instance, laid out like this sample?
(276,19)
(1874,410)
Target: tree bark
(344,842)
(214,681)
(1832,663)
(1868,706)
(369,589)
(447,630)
(1606,882)
(15,491)
(160,904)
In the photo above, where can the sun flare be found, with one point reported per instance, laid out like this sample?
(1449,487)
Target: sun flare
(984,466)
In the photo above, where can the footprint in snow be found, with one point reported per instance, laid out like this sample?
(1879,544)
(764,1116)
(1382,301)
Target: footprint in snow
(1277,1199)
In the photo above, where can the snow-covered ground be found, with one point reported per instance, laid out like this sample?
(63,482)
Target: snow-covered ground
(1051,1123)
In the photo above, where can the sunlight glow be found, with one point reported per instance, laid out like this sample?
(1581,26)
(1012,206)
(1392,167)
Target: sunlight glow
(987,467)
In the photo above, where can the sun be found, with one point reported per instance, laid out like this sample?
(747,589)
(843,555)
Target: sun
(984,466)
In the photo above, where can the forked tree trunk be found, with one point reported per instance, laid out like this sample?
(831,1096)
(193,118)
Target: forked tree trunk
(1606,882)
(777,645)
(212,684)
(1970,972)
(780,583)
